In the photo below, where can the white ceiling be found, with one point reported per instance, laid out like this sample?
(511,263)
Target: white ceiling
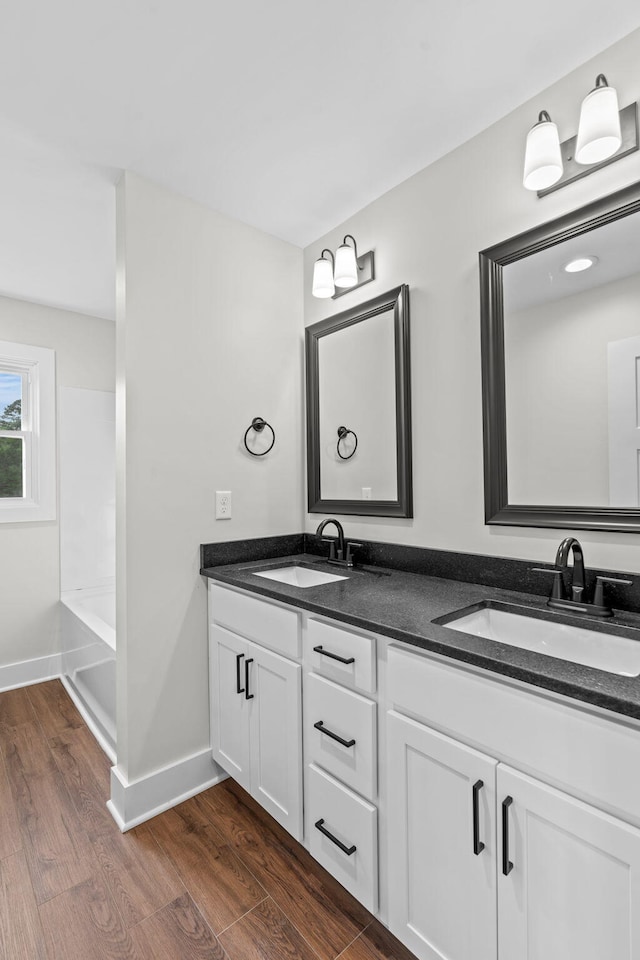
(541,278)
(287,114)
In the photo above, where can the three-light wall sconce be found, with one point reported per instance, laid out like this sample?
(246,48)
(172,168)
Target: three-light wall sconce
(335,276)
(605,134)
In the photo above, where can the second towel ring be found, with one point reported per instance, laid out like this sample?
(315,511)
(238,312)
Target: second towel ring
(258,424)
(344,432)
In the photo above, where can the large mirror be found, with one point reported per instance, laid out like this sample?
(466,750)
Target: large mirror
(561,371)
(359,410)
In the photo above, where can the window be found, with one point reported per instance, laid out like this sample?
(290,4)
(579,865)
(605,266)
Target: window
(27,433)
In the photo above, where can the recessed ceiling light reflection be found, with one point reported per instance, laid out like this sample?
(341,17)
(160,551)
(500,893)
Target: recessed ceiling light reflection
(580,264)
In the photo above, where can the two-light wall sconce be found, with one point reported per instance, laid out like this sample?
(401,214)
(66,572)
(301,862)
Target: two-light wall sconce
(335,276)
(605,134)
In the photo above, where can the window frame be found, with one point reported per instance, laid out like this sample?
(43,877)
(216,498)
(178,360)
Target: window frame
(36,366)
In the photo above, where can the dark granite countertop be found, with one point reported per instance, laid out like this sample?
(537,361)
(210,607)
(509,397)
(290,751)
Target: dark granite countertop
(402,606)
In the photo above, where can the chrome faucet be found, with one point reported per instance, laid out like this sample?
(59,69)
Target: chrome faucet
(344,555)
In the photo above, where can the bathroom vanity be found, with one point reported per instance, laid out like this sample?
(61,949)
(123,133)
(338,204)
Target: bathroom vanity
(479,798)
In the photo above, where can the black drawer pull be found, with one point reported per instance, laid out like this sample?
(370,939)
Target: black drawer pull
(478,845)
(247,695)
(330,836)
(334,736)
(507,866)
(334,656)
(239,688)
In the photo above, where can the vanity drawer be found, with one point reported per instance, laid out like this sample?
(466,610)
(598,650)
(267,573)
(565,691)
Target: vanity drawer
(352,718)
(268,624)
(357,649)
(353,823)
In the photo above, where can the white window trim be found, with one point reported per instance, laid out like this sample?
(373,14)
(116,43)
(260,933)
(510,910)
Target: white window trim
(37,365)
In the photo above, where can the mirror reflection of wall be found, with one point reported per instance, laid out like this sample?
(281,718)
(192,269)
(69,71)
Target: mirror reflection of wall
(357,390)
(572,342)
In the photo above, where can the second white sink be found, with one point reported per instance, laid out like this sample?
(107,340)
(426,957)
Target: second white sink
(604,651)
(300,576)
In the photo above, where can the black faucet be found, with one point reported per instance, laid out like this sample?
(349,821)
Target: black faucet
(342,557)
(558,599)
(577,583)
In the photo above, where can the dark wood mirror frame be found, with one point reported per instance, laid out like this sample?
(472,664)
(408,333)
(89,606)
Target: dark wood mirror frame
(498,510)
(398,301)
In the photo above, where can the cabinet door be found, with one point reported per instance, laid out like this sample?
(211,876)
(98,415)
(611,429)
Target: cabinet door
(442,881)
(275,686)
(573,892)
(230,710)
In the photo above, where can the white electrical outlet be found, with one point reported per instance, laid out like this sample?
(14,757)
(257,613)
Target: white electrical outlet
(223,504)
(366,493)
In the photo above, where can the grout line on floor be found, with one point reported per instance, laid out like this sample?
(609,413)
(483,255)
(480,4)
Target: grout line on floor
(342,952)
(245,914)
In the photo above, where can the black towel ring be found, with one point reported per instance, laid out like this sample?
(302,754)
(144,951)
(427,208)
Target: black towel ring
(343,432)
(258,424)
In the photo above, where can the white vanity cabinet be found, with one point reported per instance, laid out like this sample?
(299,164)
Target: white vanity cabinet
(477,817)
(486,861)
(256,701)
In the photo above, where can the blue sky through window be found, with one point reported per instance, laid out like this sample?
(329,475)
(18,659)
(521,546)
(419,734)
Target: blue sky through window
(10,389)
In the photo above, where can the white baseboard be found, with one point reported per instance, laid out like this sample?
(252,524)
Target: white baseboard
(133,803)
(26,672)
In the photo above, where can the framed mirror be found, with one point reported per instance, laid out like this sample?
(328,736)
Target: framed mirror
(560,315)
(359,410)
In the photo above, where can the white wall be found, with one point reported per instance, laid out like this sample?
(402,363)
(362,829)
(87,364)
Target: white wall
(356,389)
(30,552)
(87,440)
(558,421)
(427,232)
(210,334)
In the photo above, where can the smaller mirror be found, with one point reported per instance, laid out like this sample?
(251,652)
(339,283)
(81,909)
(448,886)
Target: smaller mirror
(359,410)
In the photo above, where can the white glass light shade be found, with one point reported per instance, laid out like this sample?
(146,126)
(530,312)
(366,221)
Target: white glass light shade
(323,286)
(599,134)
(346,270)
(542,159)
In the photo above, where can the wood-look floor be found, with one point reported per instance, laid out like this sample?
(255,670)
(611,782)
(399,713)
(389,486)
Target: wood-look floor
(213,879)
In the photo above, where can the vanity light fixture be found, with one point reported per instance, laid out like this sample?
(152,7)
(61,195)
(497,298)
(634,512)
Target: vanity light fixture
(333,277)
(579,264)
(605,134)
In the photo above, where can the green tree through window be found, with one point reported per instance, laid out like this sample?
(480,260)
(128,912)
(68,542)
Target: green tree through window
(11,452)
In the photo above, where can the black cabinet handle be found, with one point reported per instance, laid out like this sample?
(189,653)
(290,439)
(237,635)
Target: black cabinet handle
(334,656)
(247,695)
(334,736)
(507,866)
(239,688)
(478,845)
(348,850)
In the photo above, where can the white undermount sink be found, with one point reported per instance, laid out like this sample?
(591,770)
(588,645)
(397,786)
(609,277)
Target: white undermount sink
(602,650)
(300,576)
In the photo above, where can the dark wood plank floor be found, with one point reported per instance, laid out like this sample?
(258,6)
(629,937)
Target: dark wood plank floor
(213,879)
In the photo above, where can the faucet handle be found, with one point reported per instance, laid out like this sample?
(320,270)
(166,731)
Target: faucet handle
(598,596)
(332,547)
(349,557)
(558,591)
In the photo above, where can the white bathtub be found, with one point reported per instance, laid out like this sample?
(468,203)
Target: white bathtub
(87,629)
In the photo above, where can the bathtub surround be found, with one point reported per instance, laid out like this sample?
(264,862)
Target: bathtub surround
(87,488)
(427,233)
(208,333)
(29,552)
